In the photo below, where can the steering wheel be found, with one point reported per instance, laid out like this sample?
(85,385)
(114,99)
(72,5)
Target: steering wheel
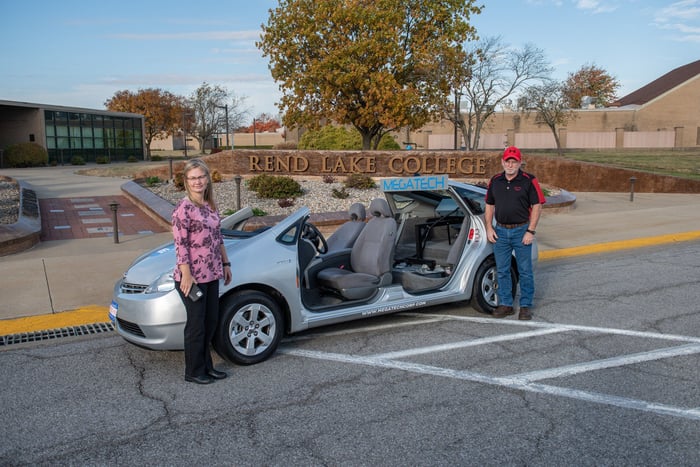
(315,236)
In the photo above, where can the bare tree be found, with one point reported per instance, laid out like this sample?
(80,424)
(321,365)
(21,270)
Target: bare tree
(207,108)
(489,76)
(550,105)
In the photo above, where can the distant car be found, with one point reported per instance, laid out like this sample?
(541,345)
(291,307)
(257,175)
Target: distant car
(424,244)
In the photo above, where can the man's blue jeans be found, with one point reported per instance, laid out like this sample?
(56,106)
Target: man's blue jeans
(509,241)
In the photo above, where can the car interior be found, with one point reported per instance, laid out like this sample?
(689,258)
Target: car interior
(413,239)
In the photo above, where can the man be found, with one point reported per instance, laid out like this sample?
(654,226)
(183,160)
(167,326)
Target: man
(515,199)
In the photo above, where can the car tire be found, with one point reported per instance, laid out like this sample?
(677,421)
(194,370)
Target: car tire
(250,328)
(484,293)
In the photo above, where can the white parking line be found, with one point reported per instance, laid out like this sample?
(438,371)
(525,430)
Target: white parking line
(522,381)
(464,344)
(604,363)
(572,327)
(589,396)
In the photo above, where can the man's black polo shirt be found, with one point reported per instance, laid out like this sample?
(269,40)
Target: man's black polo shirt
(514,199)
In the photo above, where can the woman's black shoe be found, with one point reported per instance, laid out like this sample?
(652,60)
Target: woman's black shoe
(216,374)
(204,379)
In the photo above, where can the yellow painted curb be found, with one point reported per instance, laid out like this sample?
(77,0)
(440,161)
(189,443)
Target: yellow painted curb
(619,245)
(87,315)
(94,314)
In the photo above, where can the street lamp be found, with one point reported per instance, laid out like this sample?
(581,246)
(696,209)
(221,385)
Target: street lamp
(457,115)
(184,129)
(225,107)
(255,143)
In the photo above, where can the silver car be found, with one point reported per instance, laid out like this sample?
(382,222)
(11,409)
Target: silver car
(424,244)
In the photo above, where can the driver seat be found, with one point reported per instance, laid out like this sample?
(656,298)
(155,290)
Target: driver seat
(371,257)
(345,236)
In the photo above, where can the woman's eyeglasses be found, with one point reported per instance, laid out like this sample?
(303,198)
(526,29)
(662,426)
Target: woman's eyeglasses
(194,179)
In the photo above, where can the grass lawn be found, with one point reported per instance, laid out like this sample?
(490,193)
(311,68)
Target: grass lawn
(684,164)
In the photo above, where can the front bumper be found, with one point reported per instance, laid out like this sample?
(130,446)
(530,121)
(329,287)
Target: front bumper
(156,321)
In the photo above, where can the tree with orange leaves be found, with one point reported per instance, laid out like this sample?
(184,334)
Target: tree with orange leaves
(162,111)
(262,123)
(591,82)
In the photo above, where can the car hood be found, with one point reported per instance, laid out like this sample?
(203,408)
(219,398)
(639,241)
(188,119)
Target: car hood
(160,260)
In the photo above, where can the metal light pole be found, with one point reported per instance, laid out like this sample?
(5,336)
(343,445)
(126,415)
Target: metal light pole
(225,107)
(255,144)
(184,131)
(457,115)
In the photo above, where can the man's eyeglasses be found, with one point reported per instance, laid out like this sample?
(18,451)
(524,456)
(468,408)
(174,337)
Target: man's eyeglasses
(194,179)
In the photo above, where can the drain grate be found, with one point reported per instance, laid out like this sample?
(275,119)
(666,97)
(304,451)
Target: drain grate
(56,333)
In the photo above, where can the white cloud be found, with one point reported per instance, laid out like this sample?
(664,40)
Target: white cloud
(595,6)
(681,17)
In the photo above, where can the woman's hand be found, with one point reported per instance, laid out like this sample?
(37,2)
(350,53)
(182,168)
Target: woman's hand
(186,279)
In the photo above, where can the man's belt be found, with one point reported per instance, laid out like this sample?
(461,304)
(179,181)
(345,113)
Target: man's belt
(511,226)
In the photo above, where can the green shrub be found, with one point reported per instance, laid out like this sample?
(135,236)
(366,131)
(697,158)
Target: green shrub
(156,158)
(25,155)
(132,159)
(259,212)
(332,137)
(151,181)
(277,187)
(388,143)
(102,160)
(280,187)
(340,194)
(216,176)
(256,182)
(77,160)
(359,181)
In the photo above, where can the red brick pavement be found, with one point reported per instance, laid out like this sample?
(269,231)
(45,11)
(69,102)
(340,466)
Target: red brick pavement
(92,217)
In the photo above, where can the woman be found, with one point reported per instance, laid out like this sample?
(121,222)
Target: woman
(201,262)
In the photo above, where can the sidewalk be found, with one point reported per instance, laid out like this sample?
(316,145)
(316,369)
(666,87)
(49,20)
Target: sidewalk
(69,282)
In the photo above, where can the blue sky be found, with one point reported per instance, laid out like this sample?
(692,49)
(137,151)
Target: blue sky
(79,53)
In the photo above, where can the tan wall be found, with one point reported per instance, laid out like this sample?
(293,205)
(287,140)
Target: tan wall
(677,111)
(238,139)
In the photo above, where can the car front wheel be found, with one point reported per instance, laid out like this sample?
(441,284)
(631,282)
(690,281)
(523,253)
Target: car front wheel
(484,295)
(250,328)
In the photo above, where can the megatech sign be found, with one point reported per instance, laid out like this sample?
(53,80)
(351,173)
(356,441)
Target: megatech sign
(417,183)
(382,164)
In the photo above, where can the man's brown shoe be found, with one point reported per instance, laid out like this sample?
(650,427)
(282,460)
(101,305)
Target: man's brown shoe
(525,313)
(502,311)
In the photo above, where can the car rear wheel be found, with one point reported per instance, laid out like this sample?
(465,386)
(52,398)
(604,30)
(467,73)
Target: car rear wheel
(484,295)
(250,328)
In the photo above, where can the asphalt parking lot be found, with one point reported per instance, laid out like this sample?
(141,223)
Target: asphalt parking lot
(606,374)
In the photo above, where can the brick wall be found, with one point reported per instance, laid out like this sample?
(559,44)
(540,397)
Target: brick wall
(569,175)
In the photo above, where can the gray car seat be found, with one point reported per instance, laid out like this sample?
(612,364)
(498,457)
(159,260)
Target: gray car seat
(346,234)
(371,257)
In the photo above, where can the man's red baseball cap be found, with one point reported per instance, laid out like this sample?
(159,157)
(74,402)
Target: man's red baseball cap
(512,153)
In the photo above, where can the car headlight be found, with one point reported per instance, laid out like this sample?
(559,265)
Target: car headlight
(164,283)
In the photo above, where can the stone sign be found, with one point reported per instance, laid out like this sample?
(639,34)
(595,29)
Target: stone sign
(342,163)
